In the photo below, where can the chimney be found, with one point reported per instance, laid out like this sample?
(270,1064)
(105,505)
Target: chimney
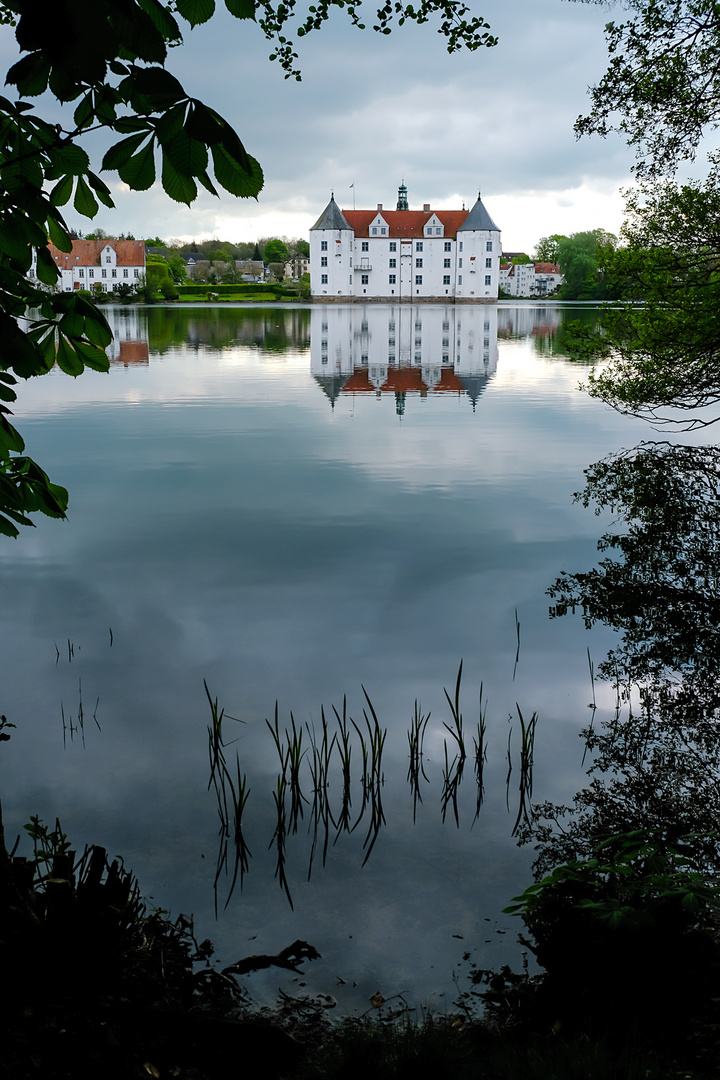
(426,207)
(379,206)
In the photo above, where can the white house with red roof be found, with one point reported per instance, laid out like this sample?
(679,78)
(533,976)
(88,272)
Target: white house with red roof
(530,279)
(107,263)
(403,255)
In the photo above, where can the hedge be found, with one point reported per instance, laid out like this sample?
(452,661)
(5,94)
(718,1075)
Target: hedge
(234,290)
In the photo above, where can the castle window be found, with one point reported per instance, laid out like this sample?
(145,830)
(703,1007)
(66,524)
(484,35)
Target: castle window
(383,230)
(419,246)
(364,246)
(81,272)
(373,232)
(459,281)
(323,245)
(418,326)
(418,279)
(391,279)
(488,246)
(363,279)
(488,264)
(448,245)
(418,263)
(446,279)
(392,263)
(91,273)
(488,279)
(393,245)
(125,273)
(323,261)
(446,264)
(323,279)
(460,261)
(461,244)
(113,273)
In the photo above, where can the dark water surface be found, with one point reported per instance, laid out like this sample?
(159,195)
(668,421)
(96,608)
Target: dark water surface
(292,503)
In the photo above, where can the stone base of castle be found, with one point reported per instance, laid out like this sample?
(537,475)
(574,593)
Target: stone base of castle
(404,299)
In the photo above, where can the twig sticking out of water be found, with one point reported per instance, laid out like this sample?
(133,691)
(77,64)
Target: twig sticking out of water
(527,750)
(373,777)
(232,795)
(416,769)
(453,773)
(320,814)
(345,751)
(480,745)
(517,651)
(592,706)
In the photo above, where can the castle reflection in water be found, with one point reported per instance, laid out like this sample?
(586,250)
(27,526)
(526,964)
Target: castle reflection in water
(403,349)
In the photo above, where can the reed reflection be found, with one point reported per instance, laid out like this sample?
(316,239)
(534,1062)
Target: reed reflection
(405,350)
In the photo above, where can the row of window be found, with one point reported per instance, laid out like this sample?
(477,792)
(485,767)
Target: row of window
(365,279)
(113,273)
(365,246)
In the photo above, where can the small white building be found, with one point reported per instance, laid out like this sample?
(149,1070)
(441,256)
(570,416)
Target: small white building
(405,256)
(530,279)
(108,263)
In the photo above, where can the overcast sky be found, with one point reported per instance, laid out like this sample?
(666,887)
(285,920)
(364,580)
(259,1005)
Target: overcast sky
(372,110)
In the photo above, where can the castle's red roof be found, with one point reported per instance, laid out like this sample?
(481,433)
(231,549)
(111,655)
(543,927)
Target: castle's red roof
(405,224)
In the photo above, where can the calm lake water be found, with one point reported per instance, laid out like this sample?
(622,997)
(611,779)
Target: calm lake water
(291,504)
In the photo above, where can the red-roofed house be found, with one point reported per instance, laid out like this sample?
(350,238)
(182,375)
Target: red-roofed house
(530,279)
(406,255)
(108,263)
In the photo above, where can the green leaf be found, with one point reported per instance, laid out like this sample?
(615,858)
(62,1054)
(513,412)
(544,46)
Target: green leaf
(188,156)
(10,439)
(196,11)
(68,360)
(68,159)
(179,187)
(62,191)
(139,172)
(163,20)
(17,349)
(121,152)
(101,190)
(47,271)
(233,177)
(72,324)
(92,356)
(97,330)
(8,529)
(30,74)
(85,202)
(58,234)
(241,9)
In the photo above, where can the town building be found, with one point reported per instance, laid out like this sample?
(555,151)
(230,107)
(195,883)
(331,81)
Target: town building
(530,279)
(108,263)
(405,256)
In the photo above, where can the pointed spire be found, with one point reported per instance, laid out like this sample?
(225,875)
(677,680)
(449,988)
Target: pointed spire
(332,217)
(402,203)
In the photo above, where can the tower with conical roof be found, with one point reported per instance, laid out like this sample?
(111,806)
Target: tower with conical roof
(478,256)
(402,202)
(331,251)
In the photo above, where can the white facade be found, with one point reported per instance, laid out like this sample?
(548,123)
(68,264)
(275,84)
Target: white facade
(107,263)
(530,279)
(405,255)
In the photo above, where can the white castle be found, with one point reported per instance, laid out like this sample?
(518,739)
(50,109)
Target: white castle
(403,255)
